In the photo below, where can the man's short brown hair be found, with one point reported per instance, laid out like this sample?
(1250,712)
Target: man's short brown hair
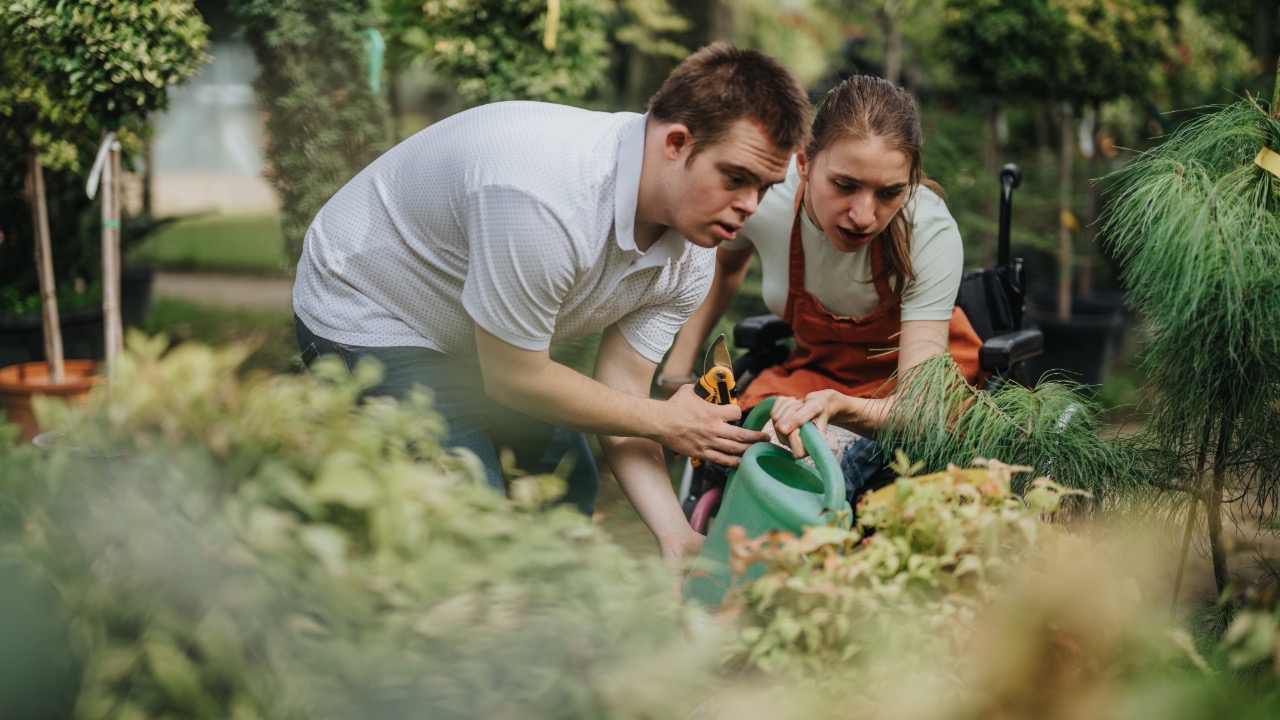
(720,84)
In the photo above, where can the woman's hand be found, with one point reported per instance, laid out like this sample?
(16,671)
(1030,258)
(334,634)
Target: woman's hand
(790,413)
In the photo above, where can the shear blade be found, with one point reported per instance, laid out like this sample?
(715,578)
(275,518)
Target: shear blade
(717,354)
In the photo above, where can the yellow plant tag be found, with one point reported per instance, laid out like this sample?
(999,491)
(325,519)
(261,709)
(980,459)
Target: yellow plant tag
(1268,160)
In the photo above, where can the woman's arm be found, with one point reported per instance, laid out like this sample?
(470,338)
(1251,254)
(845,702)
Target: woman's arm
(919,341)
(731,268)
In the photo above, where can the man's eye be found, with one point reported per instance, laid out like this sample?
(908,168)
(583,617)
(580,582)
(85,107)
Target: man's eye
(735,181)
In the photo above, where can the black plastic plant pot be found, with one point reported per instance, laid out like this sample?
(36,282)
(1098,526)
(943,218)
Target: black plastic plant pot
(1082,348)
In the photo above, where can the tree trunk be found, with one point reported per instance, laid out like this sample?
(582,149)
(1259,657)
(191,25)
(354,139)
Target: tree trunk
(113,328)
(44,263)
(394,105)
(1264,23)
(1064,208)
(1201,458)
(148,169)
(990,166)
(892,46)
(722,20)
(1213,507)
(1088,249)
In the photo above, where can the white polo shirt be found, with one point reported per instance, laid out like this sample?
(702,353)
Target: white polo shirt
(842,282)
(516,216)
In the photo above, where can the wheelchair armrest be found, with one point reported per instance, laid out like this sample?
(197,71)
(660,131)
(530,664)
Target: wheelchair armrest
(760,331)
(1002,351)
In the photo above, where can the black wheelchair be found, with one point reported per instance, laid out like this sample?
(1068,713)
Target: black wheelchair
(994,299)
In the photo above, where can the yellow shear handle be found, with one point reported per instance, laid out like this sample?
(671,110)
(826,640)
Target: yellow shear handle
(716,386)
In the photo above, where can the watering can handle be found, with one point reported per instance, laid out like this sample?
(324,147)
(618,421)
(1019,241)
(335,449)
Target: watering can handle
(816,445)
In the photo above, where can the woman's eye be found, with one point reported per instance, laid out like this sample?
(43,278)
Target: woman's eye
(846,187)
(890,194)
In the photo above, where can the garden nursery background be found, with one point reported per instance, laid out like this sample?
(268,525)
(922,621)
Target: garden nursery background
(218,534)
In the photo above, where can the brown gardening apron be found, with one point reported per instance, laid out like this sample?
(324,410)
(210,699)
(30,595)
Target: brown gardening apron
(856,356)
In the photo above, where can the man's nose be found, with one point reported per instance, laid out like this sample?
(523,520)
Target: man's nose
(746,201)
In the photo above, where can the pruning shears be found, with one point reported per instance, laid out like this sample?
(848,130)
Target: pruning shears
(716,384)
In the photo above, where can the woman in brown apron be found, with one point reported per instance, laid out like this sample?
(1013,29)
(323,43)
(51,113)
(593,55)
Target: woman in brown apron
(858,172)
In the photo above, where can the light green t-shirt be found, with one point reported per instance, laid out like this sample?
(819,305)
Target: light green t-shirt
(841,281)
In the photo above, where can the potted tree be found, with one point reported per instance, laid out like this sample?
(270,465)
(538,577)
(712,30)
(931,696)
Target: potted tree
(121,56)
(39,110)
(1196,222)
(68,65)
(1101,50)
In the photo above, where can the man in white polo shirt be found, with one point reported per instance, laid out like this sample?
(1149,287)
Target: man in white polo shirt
(457,257)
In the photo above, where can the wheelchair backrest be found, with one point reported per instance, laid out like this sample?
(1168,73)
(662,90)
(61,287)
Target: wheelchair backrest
(994,298)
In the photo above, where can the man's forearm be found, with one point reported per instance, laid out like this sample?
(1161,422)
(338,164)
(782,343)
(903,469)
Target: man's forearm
(641,471)
(566,398)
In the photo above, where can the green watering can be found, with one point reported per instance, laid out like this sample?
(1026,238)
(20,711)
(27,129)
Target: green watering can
(769,490)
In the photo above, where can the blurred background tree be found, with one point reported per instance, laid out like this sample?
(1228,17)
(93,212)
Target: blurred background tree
(324,122)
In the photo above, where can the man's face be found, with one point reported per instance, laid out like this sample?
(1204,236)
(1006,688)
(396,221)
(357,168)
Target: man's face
(715,192)
(855,187)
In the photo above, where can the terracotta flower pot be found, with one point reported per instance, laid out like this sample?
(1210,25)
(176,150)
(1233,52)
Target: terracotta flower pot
(19,384)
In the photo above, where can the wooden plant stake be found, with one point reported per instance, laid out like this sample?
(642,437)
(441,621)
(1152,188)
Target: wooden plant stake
(44,261)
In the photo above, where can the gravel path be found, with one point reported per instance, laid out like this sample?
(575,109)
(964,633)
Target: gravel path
(243,292)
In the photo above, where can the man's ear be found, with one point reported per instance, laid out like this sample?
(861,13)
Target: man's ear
(676,140)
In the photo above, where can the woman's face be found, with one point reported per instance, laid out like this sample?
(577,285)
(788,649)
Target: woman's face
(855,187)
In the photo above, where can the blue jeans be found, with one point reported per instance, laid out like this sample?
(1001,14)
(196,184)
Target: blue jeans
(864,469)
(474,421)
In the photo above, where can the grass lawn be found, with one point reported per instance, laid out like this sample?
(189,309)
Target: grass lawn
(269,332)
(230,243)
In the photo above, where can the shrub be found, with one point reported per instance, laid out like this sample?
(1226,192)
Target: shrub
(267,547)
(324,123)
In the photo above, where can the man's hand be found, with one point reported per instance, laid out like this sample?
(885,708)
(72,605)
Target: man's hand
(677,546)
(699,429)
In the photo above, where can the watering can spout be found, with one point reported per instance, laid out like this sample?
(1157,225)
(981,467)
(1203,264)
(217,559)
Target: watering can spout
(769,491)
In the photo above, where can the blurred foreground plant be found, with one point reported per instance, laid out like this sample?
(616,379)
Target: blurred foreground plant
(269,547)
(932,552)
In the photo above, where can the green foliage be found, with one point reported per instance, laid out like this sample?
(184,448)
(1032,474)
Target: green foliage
(1053,429)
(35,102)
(507,50)
(121,56)
(324,123)
(268,547)
(1252,641)
(67,70)
(1204,62)
(1098,49)
(916,568)
(645,25)
(215,544)
(1197,226)
(802,35)
(1114,46)
(998,47)
(74,226)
